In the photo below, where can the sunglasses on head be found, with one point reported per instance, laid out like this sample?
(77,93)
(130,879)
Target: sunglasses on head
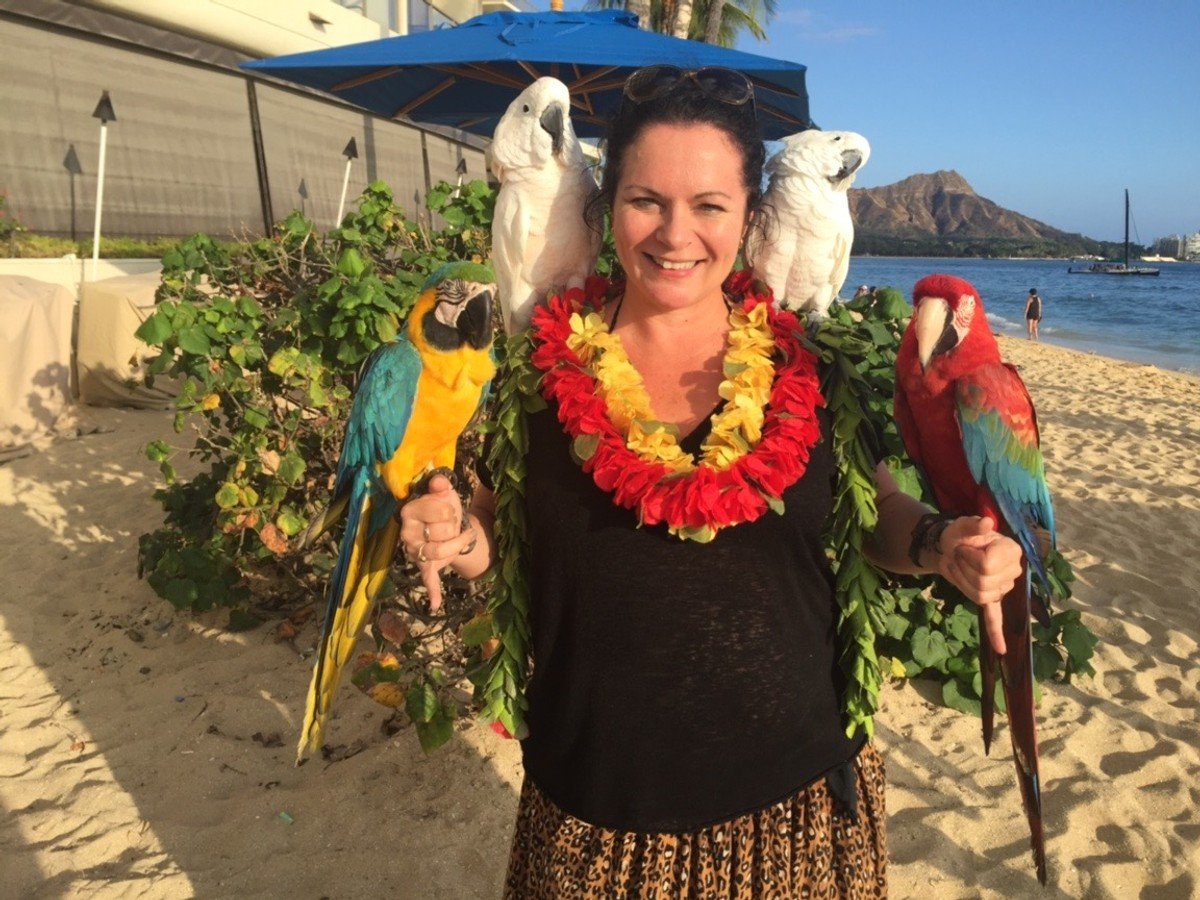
(723,85)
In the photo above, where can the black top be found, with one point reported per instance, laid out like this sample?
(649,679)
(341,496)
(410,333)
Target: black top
(677,684)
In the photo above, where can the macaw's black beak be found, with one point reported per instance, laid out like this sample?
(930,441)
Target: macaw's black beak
(552,123)
(851,160)
(475,320)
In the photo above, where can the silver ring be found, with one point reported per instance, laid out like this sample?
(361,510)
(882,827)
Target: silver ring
(425,533)
(421,558)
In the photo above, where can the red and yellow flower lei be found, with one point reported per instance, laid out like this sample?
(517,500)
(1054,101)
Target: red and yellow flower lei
(760,440)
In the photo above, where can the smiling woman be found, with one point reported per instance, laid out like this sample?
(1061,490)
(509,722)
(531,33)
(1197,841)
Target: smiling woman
(684,734)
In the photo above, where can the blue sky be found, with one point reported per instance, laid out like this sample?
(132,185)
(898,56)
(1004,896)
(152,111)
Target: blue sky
(1048,108)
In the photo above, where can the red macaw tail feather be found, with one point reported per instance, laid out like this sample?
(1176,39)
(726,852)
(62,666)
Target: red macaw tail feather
(1016,669)
(987,672)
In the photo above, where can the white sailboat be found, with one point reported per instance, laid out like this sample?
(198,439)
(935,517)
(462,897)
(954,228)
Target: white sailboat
(1111,268)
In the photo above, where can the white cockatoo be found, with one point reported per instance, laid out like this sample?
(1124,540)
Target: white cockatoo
(540,242)
(802,249)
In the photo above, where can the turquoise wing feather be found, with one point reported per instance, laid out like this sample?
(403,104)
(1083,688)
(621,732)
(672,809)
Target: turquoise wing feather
(378,419)
(1001,442)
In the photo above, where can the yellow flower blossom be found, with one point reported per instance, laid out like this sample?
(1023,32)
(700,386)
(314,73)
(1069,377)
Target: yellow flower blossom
(746,389)
(655,442)
(584,330)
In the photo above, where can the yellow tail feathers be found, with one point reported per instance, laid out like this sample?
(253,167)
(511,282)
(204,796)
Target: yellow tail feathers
(362,586)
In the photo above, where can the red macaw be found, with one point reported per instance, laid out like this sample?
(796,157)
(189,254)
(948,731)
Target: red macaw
(968,423)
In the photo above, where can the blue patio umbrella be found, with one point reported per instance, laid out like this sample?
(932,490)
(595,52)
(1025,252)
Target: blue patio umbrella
(466,76)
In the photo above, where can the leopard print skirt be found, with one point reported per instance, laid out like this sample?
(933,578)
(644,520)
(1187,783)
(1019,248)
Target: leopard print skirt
(805,846)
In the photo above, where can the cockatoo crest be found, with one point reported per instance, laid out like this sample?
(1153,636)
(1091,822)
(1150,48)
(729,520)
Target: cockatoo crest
(831,156)
(805,253)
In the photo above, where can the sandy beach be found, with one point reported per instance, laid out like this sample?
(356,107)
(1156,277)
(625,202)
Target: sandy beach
(145,753)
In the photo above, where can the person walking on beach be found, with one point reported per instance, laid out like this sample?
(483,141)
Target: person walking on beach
(686,736)
(1033,313)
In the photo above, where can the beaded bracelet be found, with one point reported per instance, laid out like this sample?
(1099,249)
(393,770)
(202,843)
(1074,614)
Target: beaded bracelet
(927,535)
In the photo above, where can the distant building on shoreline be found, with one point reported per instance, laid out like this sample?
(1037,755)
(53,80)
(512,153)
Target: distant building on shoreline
(199,144)
(1179,246)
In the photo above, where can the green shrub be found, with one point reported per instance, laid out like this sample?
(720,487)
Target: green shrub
(267,337)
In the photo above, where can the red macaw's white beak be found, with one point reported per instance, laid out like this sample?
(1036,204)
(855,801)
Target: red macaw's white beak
(932,321)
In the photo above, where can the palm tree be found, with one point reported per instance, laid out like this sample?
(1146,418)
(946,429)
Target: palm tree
(681,23)
(728,19)
(712,21)
(732,18)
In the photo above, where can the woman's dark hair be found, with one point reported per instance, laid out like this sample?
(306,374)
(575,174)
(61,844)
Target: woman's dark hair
(683,104)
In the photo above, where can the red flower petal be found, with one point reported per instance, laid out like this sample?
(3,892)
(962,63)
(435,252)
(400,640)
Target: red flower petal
(704,497)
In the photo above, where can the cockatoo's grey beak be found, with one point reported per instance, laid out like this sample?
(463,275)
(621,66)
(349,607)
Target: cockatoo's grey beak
(851,160)
(934,328)
(552,123)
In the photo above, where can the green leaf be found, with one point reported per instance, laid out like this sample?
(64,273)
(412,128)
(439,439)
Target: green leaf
(897,626)
(181,592)
(929,647)
(421,704)
(289,522)
(478,630)
(283,362)
(351,263)
(1079,641)
(436,199)
(155,330)
(227,495)
(256,418)
(291,468)
(954,696)
(962,624)
(158,451)
(194,340)
(584,446)
(435,732)
(1046,662)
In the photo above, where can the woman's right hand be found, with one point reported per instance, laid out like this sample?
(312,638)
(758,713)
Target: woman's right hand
(432,536)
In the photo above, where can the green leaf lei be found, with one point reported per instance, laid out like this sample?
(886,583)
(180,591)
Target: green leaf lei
(859,585)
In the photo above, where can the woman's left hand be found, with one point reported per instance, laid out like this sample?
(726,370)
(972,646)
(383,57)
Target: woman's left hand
(984,565)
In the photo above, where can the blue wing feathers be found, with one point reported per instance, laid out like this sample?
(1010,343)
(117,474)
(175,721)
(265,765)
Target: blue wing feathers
(1012,471)
(379,416)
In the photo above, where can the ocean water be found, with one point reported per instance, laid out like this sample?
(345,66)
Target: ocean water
(1142,319)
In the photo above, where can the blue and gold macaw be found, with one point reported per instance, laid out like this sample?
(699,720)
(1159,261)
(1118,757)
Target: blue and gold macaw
(968,422)
(416,397)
